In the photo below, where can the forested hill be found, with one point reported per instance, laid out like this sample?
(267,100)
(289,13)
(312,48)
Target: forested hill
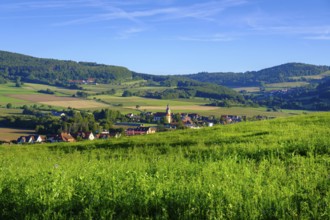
(282,73)
(15,66)
(51,71)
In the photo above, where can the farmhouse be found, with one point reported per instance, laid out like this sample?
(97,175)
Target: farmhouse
(84,135)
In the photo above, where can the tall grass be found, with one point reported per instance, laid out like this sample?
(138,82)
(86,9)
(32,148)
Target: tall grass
(263,170)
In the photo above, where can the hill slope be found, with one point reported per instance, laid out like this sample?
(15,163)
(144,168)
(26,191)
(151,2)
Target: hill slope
(277,74)
(51,71)
(15,66)
(259,170)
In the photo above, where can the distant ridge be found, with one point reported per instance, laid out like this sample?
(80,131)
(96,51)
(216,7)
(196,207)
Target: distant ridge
(276,74)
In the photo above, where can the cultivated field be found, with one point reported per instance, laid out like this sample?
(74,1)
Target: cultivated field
(179,108)
(28,95)
(60,101)
(78,104)
(8,134)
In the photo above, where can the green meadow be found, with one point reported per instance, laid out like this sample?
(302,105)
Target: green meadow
(286,85)
(274,169)
(128,104)
(10,89)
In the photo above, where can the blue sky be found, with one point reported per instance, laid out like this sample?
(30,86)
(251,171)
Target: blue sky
(170,36)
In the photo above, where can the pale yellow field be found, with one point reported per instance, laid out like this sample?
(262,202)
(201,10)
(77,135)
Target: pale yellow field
(176,108)
(8,134)
(76,104)
(60,101)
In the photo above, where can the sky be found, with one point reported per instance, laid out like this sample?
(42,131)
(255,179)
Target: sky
(170,36)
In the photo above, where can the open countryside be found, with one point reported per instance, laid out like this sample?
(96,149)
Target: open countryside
(241,171)
(148,149)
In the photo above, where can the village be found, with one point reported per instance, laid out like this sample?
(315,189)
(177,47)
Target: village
(162,121)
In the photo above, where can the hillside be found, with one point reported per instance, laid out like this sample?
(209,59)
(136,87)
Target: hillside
(51,71)
(254,170)
(18,67)
(282,73)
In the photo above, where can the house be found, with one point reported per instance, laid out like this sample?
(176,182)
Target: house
(39,139)
(194,116)
(102,136)
(31,139)
(140,131)
(84,135)
(187,121)
(66,137)
(130,115)
(63,137)
(158,116)
(25,139)
(58,114)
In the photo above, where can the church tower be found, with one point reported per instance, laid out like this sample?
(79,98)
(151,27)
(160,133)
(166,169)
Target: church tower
(168,117)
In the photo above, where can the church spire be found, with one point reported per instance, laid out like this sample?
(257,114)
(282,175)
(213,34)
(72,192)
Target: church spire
(168,116)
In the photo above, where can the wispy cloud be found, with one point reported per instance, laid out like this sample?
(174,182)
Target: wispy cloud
(212,38)
(33,5)
(196,11)
(130,32)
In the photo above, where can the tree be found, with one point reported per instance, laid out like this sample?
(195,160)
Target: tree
(18,82)
(127,93)
(9,105)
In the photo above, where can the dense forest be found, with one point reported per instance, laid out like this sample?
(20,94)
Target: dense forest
(56,72)
(282,73)
(312,97)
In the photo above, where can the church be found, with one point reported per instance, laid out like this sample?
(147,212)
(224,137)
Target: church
(166,116)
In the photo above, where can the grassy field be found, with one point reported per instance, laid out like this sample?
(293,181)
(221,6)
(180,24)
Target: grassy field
(58,90)
(9,89)
(248,89)
(27,94)
(7,112)
(253,170)
(196,105)
(285,85)
(320,76)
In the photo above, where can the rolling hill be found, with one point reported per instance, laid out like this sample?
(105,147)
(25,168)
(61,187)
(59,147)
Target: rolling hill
(51,71)
(289,72)
(18,67)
